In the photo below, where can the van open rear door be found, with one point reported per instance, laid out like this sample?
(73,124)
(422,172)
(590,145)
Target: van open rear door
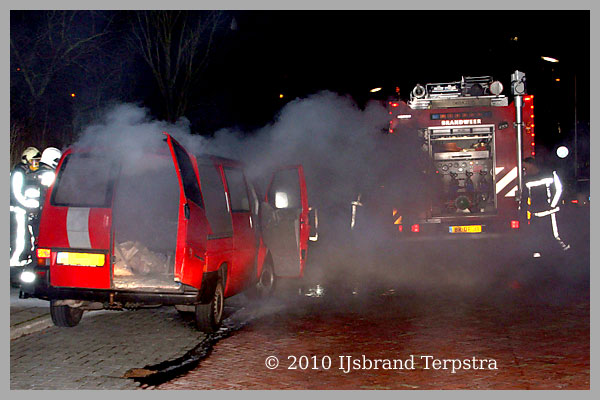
(192,225)
(284,221)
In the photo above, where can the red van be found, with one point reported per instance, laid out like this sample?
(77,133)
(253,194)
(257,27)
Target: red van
(166,227)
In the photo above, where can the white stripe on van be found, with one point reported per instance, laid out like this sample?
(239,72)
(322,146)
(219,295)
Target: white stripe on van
(78,231)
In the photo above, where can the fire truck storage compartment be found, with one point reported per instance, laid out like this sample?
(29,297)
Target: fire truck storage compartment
(145,218)
(464,160)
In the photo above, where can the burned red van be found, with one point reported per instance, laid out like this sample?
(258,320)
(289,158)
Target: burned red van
(163,227)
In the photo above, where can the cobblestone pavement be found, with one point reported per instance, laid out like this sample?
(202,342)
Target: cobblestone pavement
(98,352)
(532,321)
(538,335)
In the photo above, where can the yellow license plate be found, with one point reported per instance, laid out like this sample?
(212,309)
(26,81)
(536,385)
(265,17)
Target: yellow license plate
(466,229)
(80,259)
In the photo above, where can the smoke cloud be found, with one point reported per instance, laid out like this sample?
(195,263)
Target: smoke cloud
(344,153)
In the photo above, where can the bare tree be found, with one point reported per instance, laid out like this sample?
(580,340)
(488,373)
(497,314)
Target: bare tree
(176,45)
(43,45)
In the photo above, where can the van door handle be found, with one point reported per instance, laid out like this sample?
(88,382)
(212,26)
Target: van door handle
(186,210)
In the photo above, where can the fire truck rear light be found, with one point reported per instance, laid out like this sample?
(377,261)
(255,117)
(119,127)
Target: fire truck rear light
(514,224)
(43,253)
(394,104)
(415,228)
(399,228)
(575,201)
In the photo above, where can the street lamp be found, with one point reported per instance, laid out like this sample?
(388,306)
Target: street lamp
(562,152)
(575,144)
(550,59)
(374,90)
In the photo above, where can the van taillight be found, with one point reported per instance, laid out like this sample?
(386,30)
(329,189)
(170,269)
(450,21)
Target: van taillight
(43,253)
(43,256)
(415,228)
(514,224)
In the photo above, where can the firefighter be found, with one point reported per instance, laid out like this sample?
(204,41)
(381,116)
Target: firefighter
(544,190)
(46,172)
(24,202)
(44,177)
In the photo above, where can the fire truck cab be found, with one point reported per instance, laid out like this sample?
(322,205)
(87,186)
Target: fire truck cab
(473,142)
(163,227)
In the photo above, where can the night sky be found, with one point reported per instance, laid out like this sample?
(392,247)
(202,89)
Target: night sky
(262,54)
(350,52)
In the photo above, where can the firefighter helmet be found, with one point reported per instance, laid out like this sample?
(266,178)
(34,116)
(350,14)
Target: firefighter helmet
(31,156)
(50,157)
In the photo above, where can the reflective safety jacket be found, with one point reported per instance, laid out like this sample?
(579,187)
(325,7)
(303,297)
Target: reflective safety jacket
(24,189)
(544,193)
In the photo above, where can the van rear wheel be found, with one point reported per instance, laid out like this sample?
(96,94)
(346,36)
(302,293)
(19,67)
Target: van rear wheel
(209,316)
(65,316)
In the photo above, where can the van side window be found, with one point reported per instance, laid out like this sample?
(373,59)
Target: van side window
(237,190)
(215,202)
(190,183)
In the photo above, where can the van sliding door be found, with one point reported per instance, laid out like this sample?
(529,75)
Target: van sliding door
(284,221)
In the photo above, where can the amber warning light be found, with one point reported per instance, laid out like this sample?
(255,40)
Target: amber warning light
(43,253)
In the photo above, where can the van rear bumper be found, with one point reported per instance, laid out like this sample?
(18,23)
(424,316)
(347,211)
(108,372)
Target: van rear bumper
(186,295)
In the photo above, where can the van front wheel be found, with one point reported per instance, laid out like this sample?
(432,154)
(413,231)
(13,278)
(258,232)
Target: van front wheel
(209,316)
(65,316)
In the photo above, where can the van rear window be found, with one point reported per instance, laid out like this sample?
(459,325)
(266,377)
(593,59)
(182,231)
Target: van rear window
(84,180)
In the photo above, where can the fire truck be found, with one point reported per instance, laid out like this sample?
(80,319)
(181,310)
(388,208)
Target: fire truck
(471,142)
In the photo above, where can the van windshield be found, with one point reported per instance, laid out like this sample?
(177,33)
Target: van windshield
(84,180)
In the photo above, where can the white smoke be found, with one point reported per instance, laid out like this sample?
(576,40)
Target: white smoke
(343,151)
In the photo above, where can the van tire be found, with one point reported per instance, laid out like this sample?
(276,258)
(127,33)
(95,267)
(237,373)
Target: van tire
(65,316)
(265,286)
(209,316)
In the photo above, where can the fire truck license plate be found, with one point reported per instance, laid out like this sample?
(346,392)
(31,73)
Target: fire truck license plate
(80,259)
(466,229)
